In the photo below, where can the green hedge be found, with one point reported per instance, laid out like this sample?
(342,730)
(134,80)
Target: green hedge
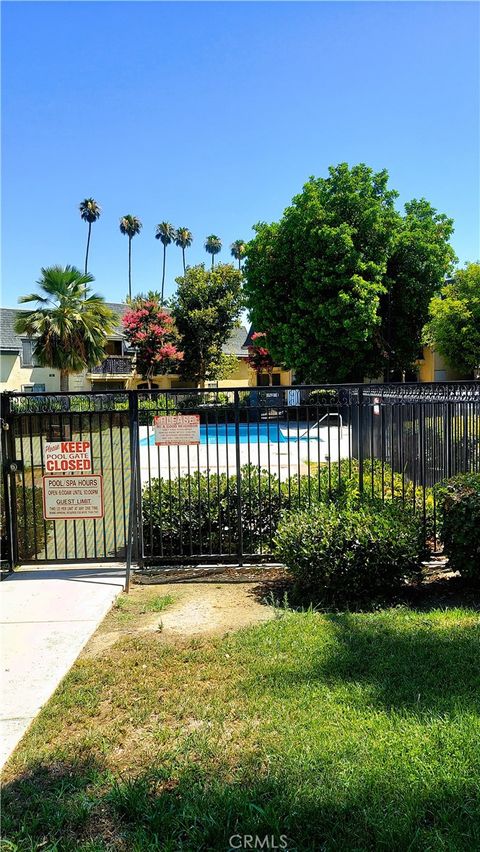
(351,553)
(198,512)
(459,521)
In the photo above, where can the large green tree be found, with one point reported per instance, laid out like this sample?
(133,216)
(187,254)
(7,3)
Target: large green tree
(69,323)
(332,282)
(454,325)
(206,308)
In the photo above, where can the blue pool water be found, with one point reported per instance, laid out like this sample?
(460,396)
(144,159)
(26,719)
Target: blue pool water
(253,433)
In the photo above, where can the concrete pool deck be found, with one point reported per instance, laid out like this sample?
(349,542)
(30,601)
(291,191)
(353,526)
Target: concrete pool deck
(283,458)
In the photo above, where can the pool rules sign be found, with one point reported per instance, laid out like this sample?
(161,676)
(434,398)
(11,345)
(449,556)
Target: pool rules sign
(70,490)
(177,429)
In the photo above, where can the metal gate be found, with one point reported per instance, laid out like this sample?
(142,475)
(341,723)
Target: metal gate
(260,451)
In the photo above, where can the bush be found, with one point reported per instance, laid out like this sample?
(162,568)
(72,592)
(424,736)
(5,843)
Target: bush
(197,513)
(459,516)
(352,553)
(31,530)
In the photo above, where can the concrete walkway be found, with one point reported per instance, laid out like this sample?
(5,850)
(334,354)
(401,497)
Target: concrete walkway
(47,615)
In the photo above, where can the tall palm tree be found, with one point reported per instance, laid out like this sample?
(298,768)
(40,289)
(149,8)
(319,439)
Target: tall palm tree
(89,211)
(130,226)
(184,240)
(69,323)
(213,245)
(166,233)
(238,250)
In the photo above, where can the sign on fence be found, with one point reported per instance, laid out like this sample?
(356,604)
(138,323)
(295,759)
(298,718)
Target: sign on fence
(293,397)
(67,456)
(177,429)
(70,497)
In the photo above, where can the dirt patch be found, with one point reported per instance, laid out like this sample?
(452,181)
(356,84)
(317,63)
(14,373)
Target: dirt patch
(198,610)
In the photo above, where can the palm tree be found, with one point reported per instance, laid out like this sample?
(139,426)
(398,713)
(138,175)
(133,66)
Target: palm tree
(70,323)
(238,250)
(89,211)
(166,233)
(184,239)
(130,226)
(213,245)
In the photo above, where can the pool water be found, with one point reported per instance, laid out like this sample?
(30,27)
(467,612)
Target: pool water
(224,433)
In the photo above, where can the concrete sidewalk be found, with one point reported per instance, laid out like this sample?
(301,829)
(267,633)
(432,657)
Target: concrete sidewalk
(47,615)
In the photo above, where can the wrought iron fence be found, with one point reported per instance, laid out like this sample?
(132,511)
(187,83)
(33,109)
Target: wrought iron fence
(260,451)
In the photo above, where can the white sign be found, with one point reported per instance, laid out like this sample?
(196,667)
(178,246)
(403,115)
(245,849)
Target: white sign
(177,429)
(293,397)
(71,497)
(68,456)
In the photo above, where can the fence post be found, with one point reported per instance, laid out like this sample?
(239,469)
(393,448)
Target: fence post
(239,478)
(360,422)
(136,533)
(8,483)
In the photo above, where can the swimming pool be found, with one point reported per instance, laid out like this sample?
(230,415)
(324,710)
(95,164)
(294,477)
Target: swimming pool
(224,433)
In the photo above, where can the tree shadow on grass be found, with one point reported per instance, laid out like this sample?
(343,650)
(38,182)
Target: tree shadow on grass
(439,592)
(404,662)
(196,813)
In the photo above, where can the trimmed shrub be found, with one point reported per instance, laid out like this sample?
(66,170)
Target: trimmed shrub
(351,553)
(459,516)
(197,513)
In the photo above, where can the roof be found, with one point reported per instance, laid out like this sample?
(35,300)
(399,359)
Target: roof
(234,344)
(10,341)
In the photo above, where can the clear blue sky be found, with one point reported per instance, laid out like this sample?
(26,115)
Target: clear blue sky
(212,115)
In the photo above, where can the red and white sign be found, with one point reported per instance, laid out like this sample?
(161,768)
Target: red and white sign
(67,498)
(177,429)
(67,456)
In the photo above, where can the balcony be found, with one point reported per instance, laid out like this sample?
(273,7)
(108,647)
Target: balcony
(113,366)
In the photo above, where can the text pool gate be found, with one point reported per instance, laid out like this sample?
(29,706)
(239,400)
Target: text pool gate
(202,475)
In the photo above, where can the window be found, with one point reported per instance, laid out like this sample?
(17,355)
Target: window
(28,358)
(263,380)
(33,388)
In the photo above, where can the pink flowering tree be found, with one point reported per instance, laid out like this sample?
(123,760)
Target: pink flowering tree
(259,358)
(151,331)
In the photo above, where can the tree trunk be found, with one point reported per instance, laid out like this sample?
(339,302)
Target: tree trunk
(183,254)
(130,267)
(88,246)
(213,260)
(63,381)
(163,273)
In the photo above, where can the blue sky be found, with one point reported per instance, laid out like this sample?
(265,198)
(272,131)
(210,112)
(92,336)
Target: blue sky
(212,115)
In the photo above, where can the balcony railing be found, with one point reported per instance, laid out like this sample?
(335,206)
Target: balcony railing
(114,365)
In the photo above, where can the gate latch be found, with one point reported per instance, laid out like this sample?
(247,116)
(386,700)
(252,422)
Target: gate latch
(12,466)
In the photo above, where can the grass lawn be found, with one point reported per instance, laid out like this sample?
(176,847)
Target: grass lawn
(348,731)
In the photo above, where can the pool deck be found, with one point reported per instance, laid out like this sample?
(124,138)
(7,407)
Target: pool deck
(283,458)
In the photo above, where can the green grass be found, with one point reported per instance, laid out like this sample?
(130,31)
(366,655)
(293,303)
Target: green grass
(345,732)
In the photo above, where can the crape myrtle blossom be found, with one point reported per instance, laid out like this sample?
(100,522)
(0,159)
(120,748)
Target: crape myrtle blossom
(151,331)
(259,358)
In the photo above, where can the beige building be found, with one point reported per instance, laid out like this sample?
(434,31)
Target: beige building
(117,371)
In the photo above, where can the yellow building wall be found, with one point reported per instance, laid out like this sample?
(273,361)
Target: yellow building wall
(243,376)
(432,364)
(13,375)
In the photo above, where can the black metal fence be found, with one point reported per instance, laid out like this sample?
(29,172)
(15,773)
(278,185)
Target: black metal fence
(260,451)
